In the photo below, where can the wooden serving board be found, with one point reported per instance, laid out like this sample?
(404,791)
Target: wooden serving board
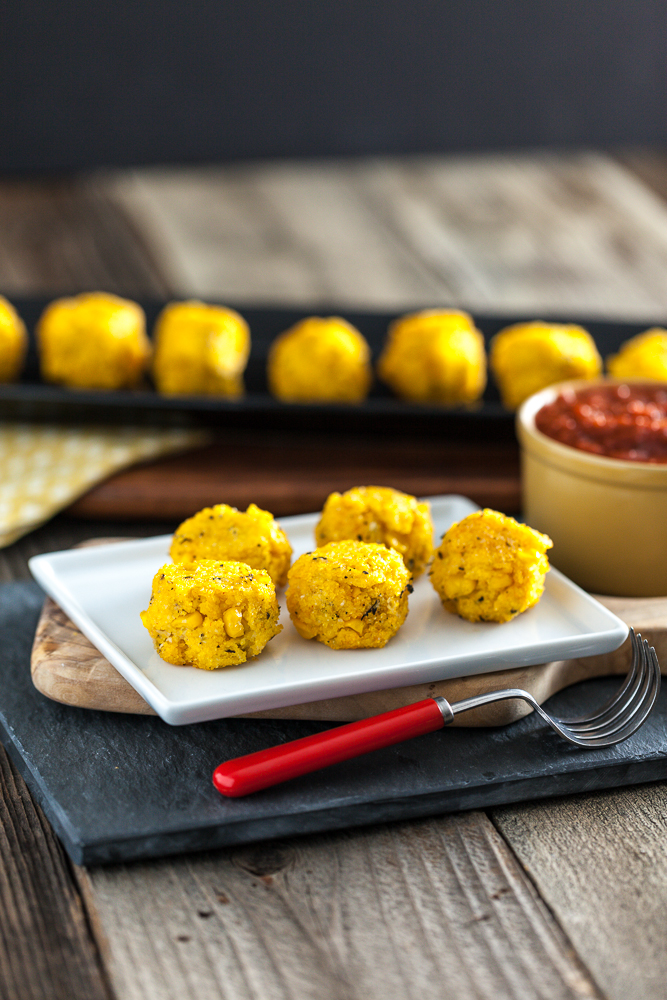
(294,474)
(66,667)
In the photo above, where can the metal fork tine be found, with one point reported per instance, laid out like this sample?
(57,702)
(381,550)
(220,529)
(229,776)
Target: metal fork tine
(618,705)
(619,696)
(635,699)
(639,716)
(633,696)
(635,713)
(619,718)
(633,720)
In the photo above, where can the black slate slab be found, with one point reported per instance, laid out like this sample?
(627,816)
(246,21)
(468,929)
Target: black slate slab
(120,787)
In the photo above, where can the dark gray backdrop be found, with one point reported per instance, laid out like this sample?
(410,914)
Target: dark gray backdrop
(140,81)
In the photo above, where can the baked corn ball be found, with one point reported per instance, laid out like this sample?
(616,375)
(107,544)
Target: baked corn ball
(528,357)
(200,350)
(211,614)
(643,356)
(349,595)
(320,361)
(435,356)
(13,342)
(490,568)
(382,515)
(223,532)
(93,341)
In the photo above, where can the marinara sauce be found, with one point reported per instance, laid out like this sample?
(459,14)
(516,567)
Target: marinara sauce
(617,421)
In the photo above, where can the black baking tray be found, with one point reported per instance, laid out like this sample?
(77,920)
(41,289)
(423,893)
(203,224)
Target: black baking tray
(381,413)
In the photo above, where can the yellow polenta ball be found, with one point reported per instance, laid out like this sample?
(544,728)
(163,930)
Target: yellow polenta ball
(93,341)
(349,595)
(200,350)
(528,357)
(223,532)
(320,360)
(13,342)
(382,515)
(435,356)
(211,614)
(490,568)
(643,356)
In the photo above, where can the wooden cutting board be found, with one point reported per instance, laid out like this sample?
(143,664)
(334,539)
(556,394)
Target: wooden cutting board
(67,668)
(294,474)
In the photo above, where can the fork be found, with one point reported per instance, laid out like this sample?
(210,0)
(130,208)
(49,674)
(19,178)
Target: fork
(617,719)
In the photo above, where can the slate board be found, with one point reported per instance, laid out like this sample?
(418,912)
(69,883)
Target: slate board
(118,788)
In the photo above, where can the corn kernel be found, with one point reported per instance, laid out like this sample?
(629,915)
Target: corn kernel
(233,622)
(193,620)
(356,624)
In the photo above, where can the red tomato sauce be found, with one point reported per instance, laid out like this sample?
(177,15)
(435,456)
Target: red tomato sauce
(616,421)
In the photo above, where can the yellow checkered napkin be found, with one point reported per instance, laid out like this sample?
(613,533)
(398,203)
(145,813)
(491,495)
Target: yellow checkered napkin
(44,467)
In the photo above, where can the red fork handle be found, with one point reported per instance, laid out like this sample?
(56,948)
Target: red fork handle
(244,775)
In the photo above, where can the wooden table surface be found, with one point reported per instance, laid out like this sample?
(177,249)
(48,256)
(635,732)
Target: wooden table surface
(559,899)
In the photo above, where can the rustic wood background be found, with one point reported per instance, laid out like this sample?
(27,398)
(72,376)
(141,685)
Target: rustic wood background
(561,899)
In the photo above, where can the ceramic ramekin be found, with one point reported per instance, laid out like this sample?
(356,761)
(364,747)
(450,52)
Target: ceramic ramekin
(607,517)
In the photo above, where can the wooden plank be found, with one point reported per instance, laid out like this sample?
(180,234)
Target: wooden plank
(570,234)
(68,235)
(46,947)
(417,910)
(275,233)
(650,166)
(600,863)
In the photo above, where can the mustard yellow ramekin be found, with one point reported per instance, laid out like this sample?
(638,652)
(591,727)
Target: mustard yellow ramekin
(607,517)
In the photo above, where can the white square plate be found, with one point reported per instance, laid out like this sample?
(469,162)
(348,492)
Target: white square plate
(103,589)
